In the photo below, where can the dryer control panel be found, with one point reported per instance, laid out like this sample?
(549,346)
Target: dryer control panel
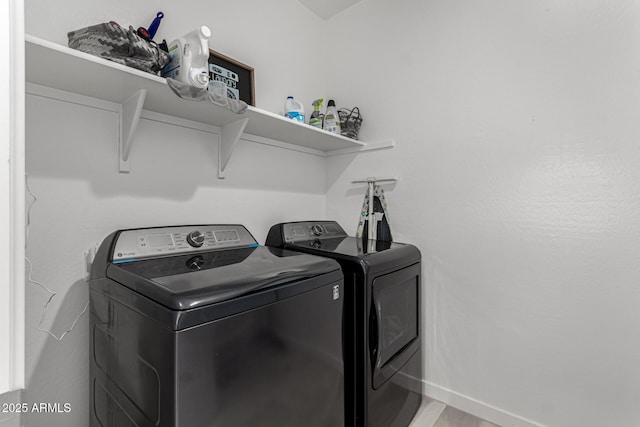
(162,241)
(308,230)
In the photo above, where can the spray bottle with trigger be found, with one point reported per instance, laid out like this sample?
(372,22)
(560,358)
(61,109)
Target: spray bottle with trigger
(316,117)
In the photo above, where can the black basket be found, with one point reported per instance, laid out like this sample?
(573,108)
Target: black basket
(350,122)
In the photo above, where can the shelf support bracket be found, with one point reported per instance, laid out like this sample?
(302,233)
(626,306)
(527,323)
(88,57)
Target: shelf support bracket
(129,118)
(231,133)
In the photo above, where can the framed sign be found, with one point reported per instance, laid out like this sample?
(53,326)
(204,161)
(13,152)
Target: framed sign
(237,76)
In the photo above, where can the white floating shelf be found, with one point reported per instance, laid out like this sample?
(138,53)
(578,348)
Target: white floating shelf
(59,67)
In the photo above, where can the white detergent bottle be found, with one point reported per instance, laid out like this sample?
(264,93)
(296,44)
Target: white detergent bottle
(190,58)
(331,119)
(294,109)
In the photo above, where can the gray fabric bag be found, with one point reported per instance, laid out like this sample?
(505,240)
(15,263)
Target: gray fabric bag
(121,45)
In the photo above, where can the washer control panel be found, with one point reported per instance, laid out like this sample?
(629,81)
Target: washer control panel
(298,231)
(163,241)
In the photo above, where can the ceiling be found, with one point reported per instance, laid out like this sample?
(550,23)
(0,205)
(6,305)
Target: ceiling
(325,9)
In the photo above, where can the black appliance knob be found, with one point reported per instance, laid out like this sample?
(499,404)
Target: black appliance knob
(195,263)
(195,239)
(316,229)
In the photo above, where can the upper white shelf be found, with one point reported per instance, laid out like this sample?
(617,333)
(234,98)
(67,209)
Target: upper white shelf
(59,67)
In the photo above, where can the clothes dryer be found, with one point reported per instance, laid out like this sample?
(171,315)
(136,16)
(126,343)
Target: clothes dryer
(382,345)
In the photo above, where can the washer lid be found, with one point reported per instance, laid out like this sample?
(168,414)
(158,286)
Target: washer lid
(194,280)
(325,236)
(348,246)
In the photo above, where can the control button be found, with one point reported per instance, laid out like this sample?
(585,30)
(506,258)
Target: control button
(195,239)
(195,263)
(317,229)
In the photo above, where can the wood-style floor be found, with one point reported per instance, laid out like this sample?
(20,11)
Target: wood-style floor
(436,414)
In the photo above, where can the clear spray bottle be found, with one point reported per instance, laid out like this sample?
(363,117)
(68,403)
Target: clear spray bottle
(316,117)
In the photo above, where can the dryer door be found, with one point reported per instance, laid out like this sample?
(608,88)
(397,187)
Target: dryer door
(394,321)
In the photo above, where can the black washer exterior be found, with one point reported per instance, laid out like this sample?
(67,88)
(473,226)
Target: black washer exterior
(375,396)
(173,343)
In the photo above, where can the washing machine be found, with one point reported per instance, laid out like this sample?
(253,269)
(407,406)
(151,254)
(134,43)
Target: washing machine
(382,345)
(199,326)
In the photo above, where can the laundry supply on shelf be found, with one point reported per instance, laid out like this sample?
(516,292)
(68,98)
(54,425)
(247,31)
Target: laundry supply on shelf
(294,109)
(118,44)
(331,121)
(316,117)
(189,58)
(193,93)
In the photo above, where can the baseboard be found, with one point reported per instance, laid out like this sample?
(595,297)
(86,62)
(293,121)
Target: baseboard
(475,407)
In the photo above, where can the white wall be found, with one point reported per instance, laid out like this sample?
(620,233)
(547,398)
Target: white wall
(6,316)
(517,149)
(12,213)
